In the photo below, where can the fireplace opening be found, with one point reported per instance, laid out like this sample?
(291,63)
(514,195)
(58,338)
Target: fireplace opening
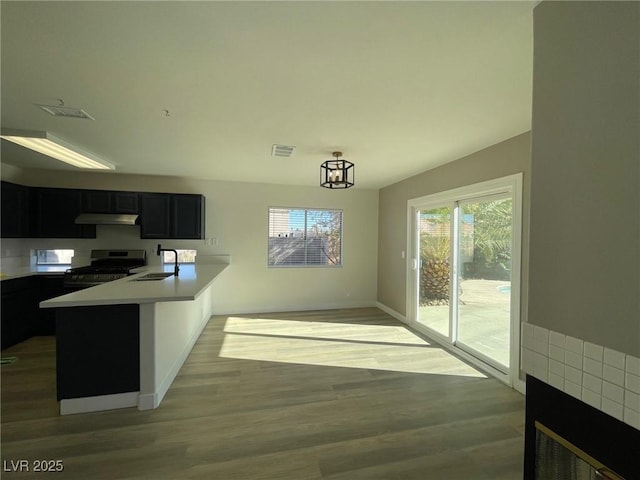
(609,448)
(558,459)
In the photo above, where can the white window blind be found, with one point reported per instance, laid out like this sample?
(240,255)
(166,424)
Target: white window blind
(305,237)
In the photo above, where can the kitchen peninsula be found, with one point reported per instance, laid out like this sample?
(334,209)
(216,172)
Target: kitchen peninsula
(121,344)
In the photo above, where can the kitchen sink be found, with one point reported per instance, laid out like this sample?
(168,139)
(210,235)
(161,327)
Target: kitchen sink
(153,276)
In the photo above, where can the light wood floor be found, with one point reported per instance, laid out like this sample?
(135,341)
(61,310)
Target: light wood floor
(341,394)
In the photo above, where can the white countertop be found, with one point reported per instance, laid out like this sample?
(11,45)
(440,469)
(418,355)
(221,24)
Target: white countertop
(193,279)
(35,270)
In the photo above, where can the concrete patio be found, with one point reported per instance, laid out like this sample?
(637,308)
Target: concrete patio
(483,318)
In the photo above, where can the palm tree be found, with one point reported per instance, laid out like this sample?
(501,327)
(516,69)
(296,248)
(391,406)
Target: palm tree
(486,238)
(435,248)
(491,234)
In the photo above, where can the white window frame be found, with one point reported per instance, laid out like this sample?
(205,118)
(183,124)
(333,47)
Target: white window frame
(513,185)
(307,210)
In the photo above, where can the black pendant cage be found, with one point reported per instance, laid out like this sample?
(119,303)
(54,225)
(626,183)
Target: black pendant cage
(337,174)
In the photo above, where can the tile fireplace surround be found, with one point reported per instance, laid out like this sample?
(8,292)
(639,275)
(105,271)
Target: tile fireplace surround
(603,378)
(587,394)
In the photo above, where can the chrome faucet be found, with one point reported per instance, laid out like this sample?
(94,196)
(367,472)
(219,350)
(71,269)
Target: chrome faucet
(176,268)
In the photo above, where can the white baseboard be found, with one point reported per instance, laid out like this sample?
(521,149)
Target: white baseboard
(147,401)
(98,403)
(520,386)
(244,310)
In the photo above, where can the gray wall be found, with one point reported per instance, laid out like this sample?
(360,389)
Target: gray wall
(585,203)
(505,158)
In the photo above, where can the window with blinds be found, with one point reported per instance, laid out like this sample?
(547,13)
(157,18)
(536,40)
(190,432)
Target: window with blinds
(300,237)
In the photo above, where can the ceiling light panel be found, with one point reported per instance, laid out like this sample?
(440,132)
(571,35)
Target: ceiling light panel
(47,144)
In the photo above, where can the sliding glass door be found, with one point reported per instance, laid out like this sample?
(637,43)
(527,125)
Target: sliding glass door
(434,233)
(462,289)
(484,281)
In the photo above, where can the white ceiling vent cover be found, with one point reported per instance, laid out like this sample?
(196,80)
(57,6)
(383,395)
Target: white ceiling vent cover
(282,151)
(62,111)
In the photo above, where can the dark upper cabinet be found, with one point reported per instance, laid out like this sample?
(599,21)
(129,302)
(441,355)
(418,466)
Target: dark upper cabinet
(96,201)
(103,201)
(155,215)
(51,212)
(15,211)
(55,211)
(125,202)
(171,216)
(187,214)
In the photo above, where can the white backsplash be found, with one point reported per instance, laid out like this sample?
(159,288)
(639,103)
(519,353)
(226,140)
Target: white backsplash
(8,264)
(603,378)
(17,253)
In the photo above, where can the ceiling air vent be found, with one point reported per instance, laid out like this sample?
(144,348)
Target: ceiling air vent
(62,111)
(282,151)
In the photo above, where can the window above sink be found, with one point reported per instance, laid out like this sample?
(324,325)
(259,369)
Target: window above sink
(60,256)
(185,256)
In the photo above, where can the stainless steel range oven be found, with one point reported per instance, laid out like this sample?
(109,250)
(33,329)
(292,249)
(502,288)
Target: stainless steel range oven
(106,265)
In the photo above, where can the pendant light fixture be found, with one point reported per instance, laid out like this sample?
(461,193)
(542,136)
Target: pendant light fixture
(338,173)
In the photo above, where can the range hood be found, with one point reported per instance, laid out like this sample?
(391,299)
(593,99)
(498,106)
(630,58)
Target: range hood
(105,219)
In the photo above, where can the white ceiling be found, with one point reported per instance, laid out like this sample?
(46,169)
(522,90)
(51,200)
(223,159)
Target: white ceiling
(399,87)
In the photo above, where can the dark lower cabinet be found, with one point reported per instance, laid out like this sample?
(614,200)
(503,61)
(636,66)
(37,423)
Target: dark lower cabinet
(19,310)
(17,318)
(48,286)
(97,350)
(22,317)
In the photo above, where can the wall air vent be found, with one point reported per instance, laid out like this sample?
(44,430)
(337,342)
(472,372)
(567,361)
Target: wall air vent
(282,151)
(67,112)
